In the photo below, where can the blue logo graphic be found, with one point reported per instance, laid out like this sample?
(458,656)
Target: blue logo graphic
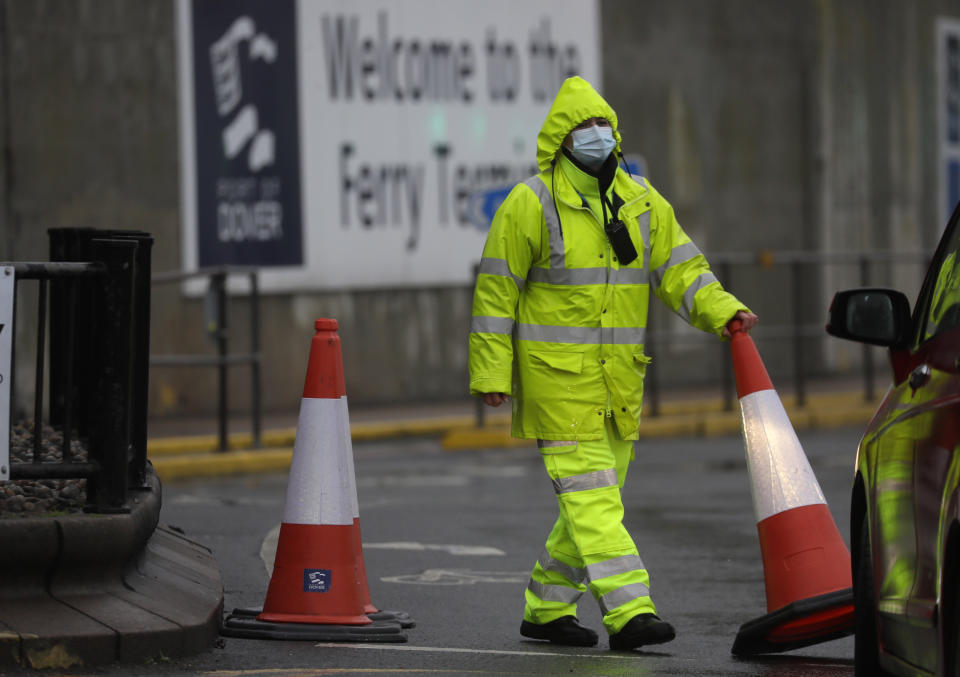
(482,205)
(316,580)
(636,164)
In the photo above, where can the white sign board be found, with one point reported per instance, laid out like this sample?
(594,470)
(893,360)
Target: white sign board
(413,120)
(6,364)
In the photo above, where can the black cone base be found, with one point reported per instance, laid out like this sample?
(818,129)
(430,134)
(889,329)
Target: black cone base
(243,623)
(401,617)
(798,624)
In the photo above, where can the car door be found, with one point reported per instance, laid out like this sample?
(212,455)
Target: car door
(913,450)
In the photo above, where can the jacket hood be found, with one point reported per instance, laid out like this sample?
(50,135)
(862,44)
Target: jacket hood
(576,101)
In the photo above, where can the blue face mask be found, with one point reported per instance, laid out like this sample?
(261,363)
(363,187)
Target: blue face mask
(592,145)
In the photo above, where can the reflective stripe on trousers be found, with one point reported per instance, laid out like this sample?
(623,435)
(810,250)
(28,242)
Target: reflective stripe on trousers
(588,547)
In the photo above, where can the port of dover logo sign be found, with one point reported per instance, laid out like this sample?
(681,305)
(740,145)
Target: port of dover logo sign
(246,144)
(316,580)
(345,145)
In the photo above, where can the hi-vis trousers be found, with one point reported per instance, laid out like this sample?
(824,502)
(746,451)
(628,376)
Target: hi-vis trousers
(589,546)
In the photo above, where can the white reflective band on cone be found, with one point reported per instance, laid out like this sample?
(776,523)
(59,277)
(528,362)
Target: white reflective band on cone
(321,488)
(352,472)
(779,470)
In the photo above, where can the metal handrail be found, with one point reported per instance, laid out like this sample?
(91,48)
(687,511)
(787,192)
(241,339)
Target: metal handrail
(217,277)
(769,257)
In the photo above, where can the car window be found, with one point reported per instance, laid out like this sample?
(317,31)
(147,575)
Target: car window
(943,312)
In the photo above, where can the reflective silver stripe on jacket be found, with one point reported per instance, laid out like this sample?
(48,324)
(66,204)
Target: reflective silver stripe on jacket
(571,573)
(568,276)
(622,335)
(686,307)
(554,593)
(491,325)
(680,254)
(556,443)
(630,276)
(585,276)
(491,266)
(598,479)
(581,335)
(644,222)
(621,596)
(557,256)
(543,332)
(612,567)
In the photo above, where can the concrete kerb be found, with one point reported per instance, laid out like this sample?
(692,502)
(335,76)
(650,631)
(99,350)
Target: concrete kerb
(183,457)
(86,589)
(281,438)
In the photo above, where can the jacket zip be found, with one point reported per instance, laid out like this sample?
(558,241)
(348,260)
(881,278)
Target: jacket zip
(609,263)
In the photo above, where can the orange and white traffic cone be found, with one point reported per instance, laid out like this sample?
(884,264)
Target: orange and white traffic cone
(372,612)
(805,561)
(315,591)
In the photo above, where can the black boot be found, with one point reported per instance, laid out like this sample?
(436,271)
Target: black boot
(564,630)
(640,631)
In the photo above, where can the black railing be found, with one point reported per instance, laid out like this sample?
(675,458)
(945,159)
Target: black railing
(799,332)
(99,321)
(219,328)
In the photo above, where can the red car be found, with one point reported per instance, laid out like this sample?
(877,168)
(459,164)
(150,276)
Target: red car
(904,513)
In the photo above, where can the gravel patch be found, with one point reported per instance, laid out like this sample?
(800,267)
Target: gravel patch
(33,498)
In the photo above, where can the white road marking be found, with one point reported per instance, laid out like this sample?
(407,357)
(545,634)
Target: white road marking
(465,550)
(459,577)
(414,481)
(268,550)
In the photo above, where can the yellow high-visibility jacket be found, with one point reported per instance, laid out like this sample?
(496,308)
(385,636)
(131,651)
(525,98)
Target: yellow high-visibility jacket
(557,322)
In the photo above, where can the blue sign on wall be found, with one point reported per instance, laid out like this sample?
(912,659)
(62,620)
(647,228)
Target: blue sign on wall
(247,142)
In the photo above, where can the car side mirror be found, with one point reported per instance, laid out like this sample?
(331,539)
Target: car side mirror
(876,316)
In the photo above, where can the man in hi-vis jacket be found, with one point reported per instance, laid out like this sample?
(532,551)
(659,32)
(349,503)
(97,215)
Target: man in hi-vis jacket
(559,317)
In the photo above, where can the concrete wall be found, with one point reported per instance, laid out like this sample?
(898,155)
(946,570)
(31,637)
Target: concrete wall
(805,125)
(89,124)
(795,125)
(720,98)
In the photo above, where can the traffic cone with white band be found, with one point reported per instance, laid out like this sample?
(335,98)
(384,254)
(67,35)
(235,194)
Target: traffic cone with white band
(315,591)
(372,612)
(806,563)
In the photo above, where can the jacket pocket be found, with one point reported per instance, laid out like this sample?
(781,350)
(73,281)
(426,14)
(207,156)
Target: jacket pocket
(552,378)
(640,362)
(555,394)
(569,362)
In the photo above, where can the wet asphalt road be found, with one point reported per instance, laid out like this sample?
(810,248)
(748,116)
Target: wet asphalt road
(450,538)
